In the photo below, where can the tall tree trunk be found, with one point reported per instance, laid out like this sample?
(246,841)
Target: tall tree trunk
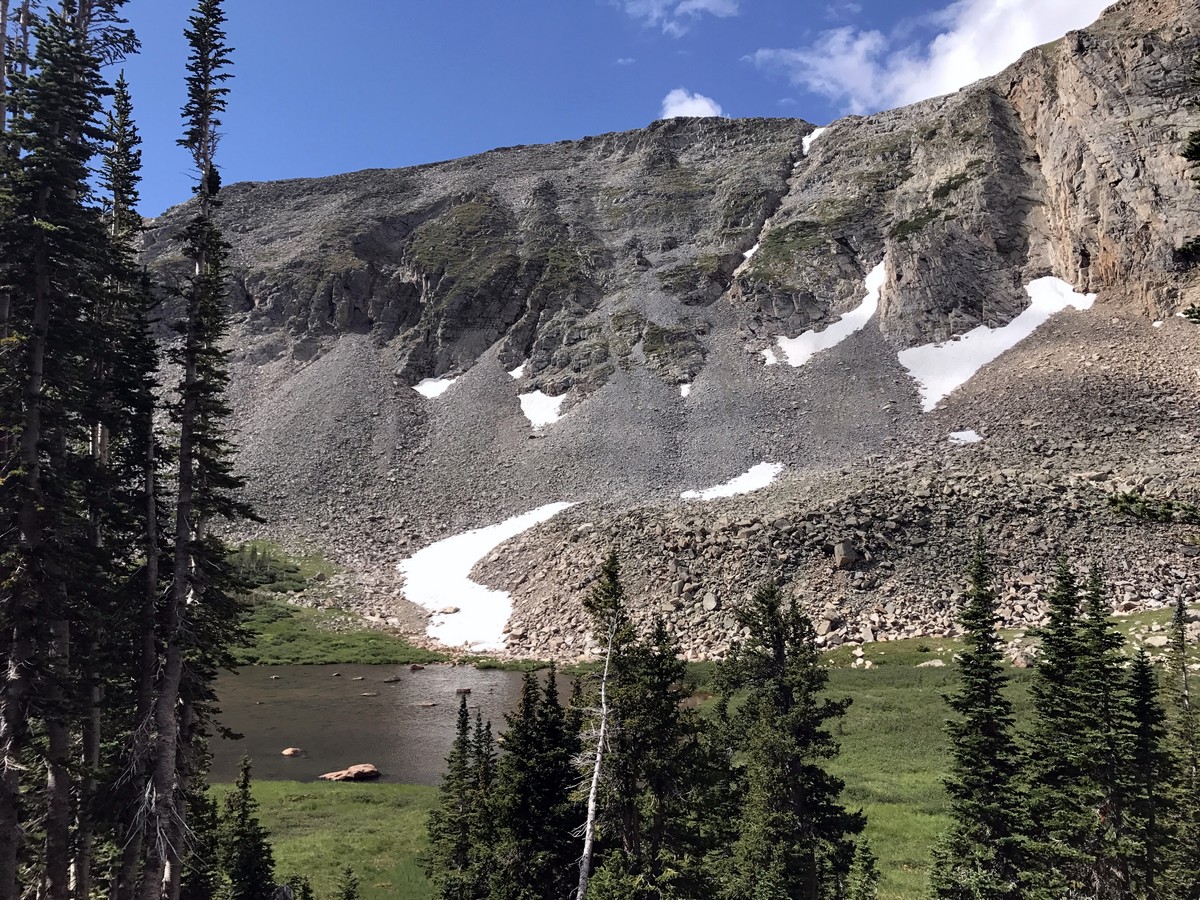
(4,4)
(23,603)
(58,765)
(163,856)
(589,830)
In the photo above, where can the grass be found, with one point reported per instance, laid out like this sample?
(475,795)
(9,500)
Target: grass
(284,635)
(894,755)
(377,829)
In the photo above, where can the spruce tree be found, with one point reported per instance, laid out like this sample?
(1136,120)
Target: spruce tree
(199,616)
(53,254)
(347,888)
(1181,853)
(482,821)
(534,812)
(1060,799)
(242,843)
(863,883)
(1150,773)
(1107,731)
(983,855)
(794,838)
(449,861)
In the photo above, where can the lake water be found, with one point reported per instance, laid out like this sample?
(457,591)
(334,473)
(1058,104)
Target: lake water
(336,726)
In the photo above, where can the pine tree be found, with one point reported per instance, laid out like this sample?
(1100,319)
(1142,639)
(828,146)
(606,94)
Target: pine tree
(53,252)
(1150,771)
(793,836)
(242,843)
(863,883)
(984,853)
(449,862)
(1059,799)
(1106,747)
(533,809)
(347,888)
(1181,853)
(482,821)
(198,618)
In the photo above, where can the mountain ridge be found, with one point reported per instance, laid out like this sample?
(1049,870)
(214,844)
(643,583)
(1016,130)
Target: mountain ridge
(614,269)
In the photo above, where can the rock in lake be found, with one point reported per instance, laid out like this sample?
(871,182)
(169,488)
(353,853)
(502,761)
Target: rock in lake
(293,751)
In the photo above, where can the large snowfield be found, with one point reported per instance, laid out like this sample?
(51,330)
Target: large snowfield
(756,479)
(940,368)
(439,577)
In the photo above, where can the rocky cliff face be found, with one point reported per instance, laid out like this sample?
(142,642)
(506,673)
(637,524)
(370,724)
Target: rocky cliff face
(614,270)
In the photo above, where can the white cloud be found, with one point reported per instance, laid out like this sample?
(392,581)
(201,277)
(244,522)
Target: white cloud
(868,70)
(681,102)
(675,16)
(626,61)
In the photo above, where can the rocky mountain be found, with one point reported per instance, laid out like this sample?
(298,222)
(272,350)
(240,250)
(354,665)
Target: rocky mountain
(615,321)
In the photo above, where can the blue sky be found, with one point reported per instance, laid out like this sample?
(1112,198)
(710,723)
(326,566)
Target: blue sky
(323,88)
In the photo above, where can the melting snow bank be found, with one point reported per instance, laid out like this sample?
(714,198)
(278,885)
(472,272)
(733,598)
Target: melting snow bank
(756,479)
(800,350)
(685,390)
(965,437)
(439,577)
(541,410)
(749,254)
(433,387)
(769,357)
(519,371)
(812,136)
(940,368)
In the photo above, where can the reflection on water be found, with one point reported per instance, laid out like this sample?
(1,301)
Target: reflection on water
(339,721)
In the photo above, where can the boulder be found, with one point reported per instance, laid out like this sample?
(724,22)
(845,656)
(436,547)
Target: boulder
(358,772)
(931,664)
(844,555)
(293,751)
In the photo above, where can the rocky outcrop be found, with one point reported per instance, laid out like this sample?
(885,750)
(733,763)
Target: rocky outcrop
(359,772)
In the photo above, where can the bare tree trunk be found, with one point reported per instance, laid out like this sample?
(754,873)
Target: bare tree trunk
(58,767)
(589,830)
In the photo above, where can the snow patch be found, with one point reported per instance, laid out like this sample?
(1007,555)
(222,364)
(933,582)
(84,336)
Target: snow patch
(440,576)
(519,371)
(800,350)
(749,254)
(754,480)
(770,357)
(433,387)
(812,136)
(541,410)
(965,437)
(1157,324)
(939,369)
(685,390)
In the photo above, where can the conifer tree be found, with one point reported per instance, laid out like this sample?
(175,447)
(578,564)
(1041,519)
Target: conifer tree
(984,853)
(1059,798)
(1150,772)
(1181,853)
(52,256)
(347,888)
(199,615)
(243,846)
(449,863)
(1106,739)
(482,821)
(534,812)
(863,883)
(793,835)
